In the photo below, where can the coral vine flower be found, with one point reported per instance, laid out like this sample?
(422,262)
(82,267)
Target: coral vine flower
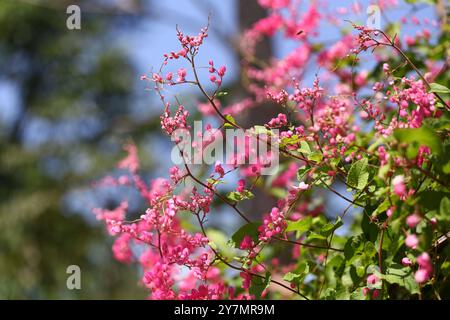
(412,241)
(399,186)
(372,279)
(406,262)
(413,220)
(425,268)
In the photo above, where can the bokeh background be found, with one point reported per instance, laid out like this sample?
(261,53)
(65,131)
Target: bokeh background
(69,100)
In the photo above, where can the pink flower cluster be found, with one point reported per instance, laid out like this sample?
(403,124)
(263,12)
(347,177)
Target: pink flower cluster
(169,249)
(273,225)
(219,72)
(279,121)
(172,123)
(425,268)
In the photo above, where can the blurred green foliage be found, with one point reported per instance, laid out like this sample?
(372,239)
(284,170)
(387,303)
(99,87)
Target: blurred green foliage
(65,79)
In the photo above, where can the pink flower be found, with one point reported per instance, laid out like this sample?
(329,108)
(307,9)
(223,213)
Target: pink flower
(406,262)
(273,4)
(273,224)
(365,291)
(121,248)
(181,75)
(383,155)
(425,268)
(241,185)
(433,221)
(221,71)
(390,211)
(424,260)
(375,293)
(219,169)
(246,279)
(170,123)
(303,186)
(413,220)
(377,86)
(157,78)
(279,121)
(421,276)
(372,279)
(399,186)
(412,241)
(247,243)
(131,162)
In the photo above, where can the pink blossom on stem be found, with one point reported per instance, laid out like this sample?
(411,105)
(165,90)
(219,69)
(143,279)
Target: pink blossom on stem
(273,225)
(241,185)
(399,186)
(412,241)
(425,268)
(181,75)
(406,262)
(372,279)
(413,220)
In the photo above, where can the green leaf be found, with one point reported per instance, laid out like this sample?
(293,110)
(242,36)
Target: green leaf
(289,140)
(258,285)
(358,295)
(369,229)
(328,228)
(431,200)
(375,145)
(291,277)
(315,156)
(329,294)
(315,236)
(360,271)
(218,241)
(231,120)
(302,172)
(382,207)
(422,136)
(300,225)
(439,88)
(239,196)
(250,229)
(444,208)
(304,147)
(446,168)
(354,244)
(369,249)
(301,271)
(384,170)
(221,94)
(358,176)
(403,276)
